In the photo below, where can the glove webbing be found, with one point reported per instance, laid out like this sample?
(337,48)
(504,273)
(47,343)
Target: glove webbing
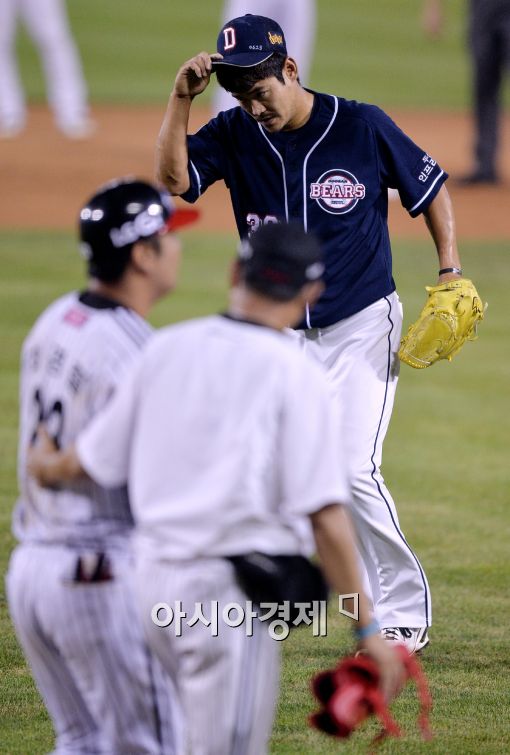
(358,677)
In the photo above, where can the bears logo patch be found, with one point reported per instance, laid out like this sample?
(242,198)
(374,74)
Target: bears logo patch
(337,191)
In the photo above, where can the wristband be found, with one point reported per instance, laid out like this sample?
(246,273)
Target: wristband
(457,270)
(368,631)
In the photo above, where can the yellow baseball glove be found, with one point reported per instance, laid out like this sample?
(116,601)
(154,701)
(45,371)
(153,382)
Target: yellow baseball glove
(448,319)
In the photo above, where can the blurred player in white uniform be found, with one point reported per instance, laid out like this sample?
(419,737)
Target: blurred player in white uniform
(47,23)
(297,17)
(70,580)
(225,432)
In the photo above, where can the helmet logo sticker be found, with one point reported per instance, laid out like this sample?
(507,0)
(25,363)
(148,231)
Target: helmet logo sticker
(145,224)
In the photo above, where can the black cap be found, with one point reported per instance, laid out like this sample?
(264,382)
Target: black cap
(249,40)
(120,213)
(279,259)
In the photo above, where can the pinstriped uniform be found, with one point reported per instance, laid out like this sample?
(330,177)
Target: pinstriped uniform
(228,683)
(237,467)
(103,689)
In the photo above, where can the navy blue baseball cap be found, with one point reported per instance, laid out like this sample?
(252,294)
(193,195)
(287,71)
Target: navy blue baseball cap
(249,40)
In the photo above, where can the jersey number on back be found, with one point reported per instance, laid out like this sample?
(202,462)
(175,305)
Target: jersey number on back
(255,221)
(52,417)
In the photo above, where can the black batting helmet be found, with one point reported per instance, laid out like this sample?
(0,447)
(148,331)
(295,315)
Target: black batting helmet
(118,215)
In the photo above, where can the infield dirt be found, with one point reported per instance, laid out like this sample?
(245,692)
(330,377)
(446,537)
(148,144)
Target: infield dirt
(44,177)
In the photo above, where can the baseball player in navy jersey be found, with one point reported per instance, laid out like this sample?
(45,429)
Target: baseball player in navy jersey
(69,580)
(291,153)
(226,435)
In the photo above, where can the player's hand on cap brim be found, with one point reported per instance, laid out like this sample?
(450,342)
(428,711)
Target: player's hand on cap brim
(194,75)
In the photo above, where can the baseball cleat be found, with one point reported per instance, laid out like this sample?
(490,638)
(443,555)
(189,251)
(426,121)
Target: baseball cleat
(415,640)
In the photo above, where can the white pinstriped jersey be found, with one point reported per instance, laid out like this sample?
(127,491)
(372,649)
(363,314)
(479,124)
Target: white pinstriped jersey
(224,458)
(74,358)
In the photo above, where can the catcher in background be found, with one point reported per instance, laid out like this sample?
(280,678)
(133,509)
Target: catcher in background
(290,152)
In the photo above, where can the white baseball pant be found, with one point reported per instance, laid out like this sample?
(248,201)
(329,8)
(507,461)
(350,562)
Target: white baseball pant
(227,684)
(103,689)
(360,356)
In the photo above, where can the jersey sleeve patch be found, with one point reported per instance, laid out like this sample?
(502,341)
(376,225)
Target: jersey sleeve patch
(424,168)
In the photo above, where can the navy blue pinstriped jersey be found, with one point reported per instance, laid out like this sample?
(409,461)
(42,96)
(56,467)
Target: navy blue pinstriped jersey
(333,174)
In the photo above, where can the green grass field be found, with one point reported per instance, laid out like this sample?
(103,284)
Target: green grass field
(371,50)
(446,451)
(445,462)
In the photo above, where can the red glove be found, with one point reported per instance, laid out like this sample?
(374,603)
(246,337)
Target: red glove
(350,693)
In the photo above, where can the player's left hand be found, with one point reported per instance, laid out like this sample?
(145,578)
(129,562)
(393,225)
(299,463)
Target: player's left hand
(449,318)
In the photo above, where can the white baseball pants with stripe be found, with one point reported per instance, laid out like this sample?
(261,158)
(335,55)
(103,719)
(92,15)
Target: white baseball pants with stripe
(228,684)
(360,356)
(103,689)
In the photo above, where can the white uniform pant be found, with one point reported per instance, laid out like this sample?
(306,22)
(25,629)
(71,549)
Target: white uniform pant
(103,689)
(46,22)
(297,18)
(360,356)
(228,684)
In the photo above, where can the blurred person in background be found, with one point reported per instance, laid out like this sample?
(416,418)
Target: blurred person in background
(489,45)
(47,23)
(297,17)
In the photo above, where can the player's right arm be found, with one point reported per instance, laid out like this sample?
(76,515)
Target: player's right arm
(171,148)
(314,482)
(335,538)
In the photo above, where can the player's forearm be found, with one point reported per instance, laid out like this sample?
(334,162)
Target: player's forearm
(172,147)
(54,467)
(335,540)
(440,221)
